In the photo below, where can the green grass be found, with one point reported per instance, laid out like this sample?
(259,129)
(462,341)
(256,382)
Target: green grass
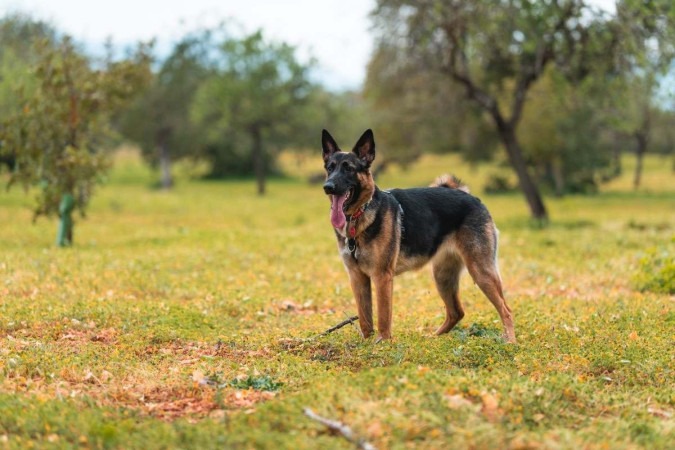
(179,320)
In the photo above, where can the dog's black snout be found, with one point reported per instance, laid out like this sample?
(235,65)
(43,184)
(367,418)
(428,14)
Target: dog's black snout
(329,187)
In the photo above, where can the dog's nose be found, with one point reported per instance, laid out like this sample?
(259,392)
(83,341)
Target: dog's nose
(329,187)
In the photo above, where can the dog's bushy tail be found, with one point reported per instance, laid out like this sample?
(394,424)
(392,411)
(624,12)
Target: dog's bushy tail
(451,182)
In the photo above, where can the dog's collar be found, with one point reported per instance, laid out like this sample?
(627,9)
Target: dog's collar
(351,220)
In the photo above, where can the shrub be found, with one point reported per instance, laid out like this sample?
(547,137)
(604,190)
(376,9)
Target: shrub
(499,184)
(656,271)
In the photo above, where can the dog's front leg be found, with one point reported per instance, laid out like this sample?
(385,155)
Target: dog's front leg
(364,300)
(384,287)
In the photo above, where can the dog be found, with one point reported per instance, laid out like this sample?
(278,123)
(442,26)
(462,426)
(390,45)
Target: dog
(381,234)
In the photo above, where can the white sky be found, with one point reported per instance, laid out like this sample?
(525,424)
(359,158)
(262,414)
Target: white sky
(335,32)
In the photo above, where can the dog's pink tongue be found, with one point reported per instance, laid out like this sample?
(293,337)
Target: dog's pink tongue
(337,216)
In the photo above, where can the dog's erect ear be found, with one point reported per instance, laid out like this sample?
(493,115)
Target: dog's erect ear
(328,145)
(365,147)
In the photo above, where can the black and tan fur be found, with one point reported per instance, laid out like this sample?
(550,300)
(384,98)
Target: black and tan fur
(403,229)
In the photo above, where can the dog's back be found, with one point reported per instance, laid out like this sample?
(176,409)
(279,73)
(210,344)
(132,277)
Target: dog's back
(431,215)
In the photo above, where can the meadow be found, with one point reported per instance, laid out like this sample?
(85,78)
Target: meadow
(189,319)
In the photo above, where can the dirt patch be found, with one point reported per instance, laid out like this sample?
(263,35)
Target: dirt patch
(163,392)
(193,403)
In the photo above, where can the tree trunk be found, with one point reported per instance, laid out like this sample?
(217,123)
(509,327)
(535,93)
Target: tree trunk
(642,138)
(616,160)
(640,151)
(258,159)
(530,189)
(165,166)
(164,157)
(558,178)
(64,237)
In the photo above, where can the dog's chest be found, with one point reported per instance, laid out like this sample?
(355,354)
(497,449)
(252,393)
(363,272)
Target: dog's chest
(363,258)
(353,253)
(368,260)
(371,244)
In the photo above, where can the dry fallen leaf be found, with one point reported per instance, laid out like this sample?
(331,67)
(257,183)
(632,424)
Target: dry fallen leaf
(217,414)
(490,407)
(423,369)
(375,429)
(457,401)
(197,376)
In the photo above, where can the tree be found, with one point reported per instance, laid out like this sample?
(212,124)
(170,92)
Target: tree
(58,132)
(253,102)
(497,50)
(647,31)
(159,120)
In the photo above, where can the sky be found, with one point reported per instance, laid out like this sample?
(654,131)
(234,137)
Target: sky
(335,32)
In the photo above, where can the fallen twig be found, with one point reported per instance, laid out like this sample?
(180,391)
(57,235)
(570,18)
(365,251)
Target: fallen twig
(294,342)
(339,325)
(340,428)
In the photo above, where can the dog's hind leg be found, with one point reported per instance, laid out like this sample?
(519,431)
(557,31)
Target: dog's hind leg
(360,283)
(479,253)
(447,271)
(489,282)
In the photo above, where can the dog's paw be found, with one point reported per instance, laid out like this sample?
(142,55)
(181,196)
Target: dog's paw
(365,334)
(381,338)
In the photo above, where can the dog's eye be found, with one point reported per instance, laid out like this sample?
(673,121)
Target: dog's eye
(330,167)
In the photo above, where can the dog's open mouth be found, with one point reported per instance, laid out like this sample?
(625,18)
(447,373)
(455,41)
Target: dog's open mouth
(338,204)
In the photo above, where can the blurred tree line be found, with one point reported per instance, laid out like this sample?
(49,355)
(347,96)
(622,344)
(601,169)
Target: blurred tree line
(556,89)
(233,102)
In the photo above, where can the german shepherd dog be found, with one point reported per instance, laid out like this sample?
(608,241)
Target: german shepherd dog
(381,234)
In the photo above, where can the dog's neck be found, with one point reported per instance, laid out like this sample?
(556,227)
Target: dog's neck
(360,207)
(360,213)
(360,210)
(365,198)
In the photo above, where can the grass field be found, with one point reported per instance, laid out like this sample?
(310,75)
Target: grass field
(179,320)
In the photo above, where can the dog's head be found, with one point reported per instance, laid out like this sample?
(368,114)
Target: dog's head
(349,183)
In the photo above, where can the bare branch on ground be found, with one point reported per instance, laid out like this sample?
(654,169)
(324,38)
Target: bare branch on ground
(339,428)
